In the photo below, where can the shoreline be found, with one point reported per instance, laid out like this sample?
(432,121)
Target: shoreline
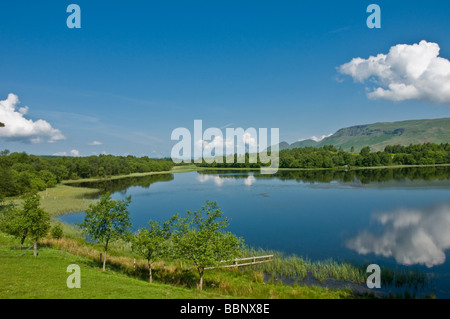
(322,169)
(192,168)
(73,199)
(178,169)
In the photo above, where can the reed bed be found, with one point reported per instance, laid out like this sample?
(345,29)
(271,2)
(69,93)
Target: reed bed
(300,269)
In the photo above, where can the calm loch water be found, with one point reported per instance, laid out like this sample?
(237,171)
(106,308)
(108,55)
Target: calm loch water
(398,218)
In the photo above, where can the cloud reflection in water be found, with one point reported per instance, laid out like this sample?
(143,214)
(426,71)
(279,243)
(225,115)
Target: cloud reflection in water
(418,236)
(219,181)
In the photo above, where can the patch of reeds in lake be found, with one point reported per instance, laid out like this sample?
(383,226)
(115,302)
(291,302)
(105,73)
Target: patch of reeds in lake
(405,278)
(299,269)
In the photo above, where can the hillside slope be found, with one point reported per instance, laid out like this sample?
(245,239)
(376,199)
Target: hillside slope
(378,135)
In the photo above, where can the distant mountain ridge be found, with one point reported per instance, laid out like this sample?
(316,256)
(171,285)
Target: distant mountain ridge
(378,135)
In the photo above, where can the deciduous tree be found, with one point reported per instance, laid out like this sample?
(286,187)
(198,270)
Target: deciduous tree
(201,239)
(36,220)
(31,221)
(151,242)
(107,220)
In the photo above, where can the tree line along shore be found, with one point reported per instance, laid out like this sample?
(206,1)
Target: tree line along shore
(21,173)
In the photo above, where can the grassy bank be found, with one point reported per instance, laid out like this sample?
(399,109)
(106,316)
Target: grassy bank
(176,169)
(26,277)
(45,277)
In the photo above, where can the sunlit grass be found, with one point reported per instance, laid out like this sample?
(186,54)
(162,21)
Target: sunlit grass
(235,283)
(44,277)
(63,199)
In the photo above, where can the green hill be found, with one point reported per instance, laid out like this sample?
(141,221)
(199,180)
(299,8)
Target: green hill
(304,143)
(378,135)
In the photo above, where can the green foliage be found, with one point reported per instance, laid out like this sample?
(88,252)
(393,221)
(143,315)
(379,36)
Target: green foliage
(201,239)
(21,173)
(329,157)
(107,220)
(365,151)
(10,221)
(57,231)
(151,242)
(29,222)
(36,221)
(114,185)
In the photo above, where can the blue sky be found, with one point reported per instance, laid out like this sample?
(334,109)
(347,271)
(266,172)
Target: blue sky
(137,70)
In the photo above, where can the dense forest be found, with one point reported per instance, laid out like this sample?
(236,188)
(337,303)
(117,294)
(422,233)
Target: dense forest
(330,157)
(21,173)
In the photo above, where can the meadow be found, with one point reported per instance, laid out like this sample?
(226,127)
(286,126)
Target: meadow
(24,276)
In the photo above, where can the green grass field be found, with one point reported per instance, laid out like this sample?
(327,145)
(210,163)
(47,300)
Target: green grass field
(45,277)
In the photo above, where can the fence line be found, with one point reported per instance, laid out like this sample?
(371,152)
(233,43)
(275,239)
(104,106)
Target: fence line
(236,260)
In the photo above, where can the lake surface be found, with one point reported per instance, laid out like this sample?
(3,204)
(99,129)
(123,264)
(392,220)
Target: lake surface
(397,218)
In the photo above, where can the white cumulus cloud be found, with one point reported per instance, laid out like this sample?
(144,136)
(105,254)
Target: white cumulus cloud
(95,143)
(221,145)
(318,139)
(218,144)
(249,140)
(315,138)
(60,154)
(71,153)
(75,153)
(18,128)
(407,72)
